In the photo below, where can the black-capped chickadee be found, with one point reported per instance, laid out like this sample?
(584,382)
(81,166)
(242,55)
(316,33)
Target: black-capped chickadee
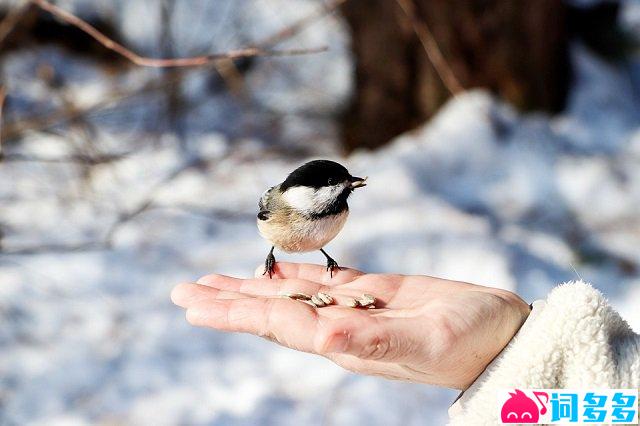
(307,210)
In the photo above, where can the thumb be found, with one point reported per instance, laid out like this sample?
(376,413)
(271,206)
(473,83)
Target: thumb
(368,338)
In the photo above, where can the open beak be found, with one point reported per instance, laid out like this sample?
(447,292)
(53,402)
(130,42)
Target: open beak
(357,182)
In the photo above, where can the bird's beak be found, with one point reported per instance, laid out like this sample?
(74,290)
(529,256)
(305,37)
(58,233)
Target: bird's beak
(357,182)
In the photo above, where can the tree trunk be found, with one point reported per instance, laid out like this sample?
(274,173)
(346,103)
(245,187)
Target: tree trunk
(516,49)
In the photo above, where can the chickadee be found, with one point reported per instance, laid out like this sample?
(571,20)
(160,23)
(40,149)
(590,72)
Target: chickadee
(307,210)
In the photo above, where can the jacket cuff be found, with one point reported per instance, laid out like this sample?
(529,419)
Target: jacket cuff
(572,340)
(458,406)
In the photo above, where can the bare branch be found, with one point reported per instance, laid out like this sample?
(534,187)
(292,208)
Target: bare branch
(11,19)
(90,160)
(3,95)
(54,248)
(37,123)
(214,214)
(301,24)
(63,115)
(165,62)
(430,46)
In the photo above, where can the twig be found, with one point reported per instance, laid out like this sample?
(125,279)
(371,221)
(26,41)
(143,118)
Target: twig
(430,46)
(36,123)
(90,160)
(59,116)
(233,79)
(106,244)
(164,62)
(55,248)
(301,24)
(228,69)
(147,202)
(3,95)
(11,19)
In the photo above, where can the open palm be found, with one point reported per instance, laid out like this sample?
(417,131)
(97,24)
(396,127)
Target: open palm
(424,329)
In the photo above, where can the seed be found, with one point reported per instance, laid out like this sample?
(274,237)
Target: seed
(308,302)
(353,303)
(325,298)
(317,301)
(297,296)
(367,300)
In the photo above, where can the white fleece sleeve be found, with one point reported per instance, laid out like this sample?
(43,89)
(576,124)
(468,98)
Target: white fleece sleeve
(573,340)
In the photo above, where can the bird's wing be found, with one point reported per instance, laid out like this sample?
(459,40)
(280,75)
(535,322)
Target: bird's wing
(264,204)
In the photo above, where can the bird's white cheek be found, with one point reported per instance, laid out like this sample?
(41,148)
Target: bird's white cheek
(300,197)
(326,195)
(305,199)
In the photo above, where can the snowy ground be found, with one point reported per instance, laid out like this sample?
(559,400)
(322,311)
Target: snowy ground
(480,193)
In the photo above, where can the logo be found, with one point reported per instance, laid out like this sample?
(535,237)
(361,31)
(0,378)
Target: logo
(567,406)
(519,408)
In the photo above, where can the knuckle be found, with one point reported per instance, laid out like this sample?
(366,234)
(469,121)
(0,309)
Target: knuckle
(444,339)
(267,329)
(376,348)
(333,340)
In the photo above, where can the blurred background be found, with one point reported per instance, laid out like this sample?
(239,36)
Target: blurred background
(501,140)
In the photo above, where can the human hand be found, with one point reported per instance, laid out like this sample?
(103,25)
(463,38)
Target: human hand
(424,329)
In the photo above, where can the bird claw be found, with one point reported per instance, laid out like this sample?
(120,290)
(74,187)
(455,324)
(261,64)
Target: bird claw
(269,265)
(332,265)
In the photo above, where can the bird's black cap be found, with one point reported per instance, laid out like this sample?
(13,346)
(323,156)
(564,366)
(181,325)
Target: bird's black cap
(316,174)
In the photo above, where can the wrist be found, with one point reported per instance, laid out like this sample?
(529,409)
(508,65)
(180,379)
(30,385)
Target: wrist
(514,312)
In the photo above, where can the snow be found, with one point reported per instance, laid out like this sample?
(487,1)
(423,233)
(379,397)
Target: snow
(480,193)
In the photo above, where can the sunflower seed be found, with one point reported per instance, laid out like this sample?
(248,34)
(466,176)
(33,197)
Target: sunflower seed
(317,301)
(367,300)
(353,303)
(297,296)
(325,298)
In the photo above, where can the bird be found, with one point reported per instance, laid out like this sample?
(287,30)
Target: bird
(307,210)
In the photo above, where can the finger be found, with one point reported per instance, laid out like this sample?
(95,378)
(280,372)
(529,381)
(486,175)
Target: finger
(258,287)
(288,322)
(352,283)
(270,288)
(187,294)
(307,271)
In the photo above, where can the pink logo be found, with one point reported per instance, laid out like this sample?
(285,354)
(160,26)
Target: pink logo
(519,408)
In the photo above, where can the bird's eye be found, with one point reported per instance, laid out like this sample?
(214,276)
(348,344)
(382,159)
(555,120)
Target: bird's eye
(332,181)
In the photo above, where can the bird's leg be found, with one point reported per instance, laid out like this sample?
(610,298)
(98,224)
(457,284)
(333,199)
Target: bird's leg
(270,263)
(331,264)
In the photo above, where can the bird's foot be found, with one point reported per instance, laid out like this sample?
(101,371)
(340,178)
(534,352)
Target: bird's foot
(332,265)
(269,264)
